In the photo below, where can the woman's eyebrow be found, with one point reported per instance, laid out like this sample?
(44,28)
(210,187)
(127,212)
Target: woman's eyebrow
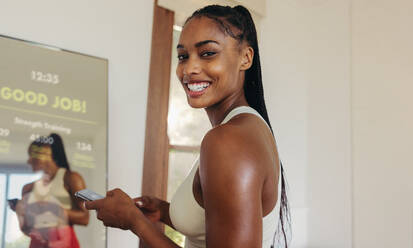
(204,42)
(199,44)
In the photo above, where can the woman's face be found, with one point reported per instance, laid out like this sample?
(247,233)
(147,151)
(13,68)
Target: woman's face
(211,63)
(39,157)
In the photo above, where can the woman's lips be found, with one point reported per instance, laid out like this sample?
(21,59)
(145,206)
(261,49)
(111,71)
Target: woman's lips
(197,88)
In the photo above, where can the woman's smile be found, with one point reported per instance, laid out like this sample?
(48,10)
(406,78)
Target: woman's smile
(196,88)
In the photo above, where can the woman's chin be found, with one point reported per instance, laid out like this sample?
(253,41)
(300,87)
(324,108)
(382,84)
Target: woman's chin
(196,103)
(197,106)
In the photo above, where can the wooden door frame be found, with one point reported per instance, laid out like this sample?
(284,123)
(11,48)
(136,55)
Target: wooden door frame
(156,154)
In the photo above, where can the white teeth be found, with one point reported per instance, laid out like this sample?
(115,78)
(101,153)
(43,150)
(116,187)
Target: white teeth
(198,86)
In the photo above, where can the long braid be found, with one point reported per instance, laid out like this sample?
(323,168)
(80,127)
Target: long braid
(254,93)
(240,18)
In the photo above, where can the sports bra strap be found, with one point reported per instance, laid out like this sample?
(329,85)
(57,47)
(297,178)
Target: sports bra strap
(242,110)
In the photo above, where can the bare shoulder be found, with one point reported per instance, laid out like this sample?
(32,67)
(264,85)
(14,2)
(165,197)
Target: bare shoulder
(231,148)
(74,181)
(73,175)
(229,137)
(244,136)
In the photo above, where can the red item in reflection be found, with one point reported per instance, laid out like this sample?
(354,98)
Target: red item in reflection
(61,237)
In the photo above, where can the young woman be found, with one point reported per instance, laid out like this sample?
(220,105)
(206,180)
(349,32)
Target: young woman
(235,194)
(48,209)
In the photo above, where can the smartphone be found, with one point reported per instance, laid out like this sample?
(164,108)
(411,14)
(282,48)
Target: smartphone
(88,195)
(13,203)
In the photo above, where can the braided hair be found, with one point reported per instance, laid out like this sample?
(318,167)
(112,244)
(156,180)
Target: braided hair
(240,18)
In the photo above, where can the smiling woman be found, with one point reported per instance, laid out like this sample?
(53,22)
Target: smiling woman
(234,195)
(217,58)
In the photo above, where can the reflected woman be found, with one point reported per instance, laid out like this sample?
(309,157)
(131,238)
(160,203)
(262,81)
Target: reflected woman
(48,209)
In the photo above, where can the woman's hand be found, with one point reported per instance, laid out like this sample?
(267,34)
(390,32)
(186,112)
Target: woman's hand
(117,209)
(150,206)
(154,209)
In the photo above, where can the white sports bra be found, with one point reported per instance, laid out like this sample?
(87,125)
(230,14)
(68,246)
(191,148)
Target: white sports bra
(188,217)
(53,192)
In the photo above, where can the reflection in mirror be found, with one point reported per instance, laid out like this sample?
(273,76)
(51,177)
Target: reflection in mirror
(53,133)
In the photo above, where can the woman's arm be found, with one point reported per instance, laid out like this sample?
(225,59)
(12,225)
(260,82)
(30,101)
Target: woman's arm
(232,178)
(77,214)
(149,234)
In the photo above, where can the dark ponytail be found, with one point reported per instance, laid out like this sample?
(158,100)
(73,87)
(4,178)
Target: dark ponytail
(240,18)
(58,151)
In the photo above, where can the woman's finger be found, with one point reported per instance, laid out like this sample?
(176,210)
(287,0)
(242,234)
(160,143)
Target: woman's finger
(114,191)
(99,216)
(142,201)
(94,204)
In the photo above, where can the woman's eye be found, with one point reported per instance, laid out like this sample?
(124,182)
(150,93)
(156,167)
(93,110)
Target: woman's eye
(207,54)
(182,57)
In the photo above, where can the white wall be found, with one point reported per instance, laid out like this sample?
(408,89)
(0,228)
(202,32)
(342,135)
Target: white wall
(338,75)
(382,113)
(305,52)
(114,30)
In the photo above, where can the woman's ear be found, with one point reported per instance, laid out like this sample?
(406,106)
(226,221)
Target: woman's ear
(247,56)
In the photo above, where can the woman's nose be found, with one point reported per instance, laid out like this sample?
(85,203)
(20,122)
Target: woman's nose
(192,66)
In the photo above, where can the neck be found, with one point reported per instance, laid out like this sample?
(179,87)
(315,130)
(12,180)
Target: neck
(217,112)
